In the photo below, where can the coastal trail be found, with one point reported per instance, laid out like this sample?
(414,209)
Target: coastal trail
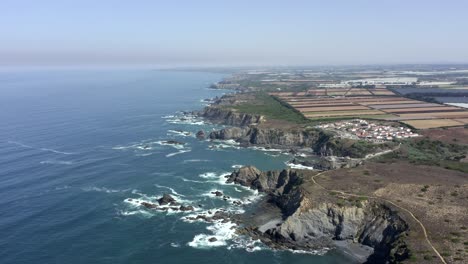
(388,201)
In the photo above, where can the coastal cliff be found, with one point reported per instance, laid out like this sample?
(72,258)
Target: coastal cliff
(319,142)
(268,136)
(229,117)
(309,222)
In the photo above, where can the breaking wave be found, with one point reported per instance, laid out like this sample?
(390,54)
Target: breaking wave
(56,162)
(42,149)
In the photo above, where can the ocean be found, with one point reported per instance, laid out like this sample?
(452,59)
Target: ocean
(79,149)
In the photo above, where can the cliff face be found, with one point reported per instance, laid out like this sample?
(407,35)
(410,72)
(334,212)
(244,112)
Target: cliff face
(268,136)
(272,182)
(229,117)
(322,143)
(309,223)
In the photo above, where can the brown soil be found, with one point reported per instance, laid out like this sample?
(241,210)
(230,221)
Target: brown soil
(457,135)
(436,196)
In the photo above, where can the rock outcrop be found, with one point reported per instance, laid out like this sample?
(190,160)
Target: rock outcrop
(166,199)
(311,222)
(201,134)
(272,182)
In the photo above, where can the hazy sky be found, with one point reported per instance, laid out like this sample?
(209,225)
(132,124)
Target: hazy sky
(198,32)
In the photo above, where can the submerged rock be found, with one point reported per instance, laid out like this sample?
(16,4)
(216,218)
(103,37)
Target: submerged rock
(149,205)
(217,193)
(173,142)
(186,208)
(201,134)
(212,239)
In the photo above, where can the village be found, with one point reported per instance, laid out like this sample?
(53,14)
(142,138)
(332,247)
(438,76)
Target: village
(363,129)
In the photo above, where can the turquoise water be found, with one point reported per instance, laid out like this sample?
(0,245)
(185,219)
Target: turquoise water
(76,145)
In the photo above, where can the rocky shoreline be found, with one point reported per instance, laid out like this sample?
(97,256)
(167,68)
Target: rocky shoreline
(311,223)
(327,152)
(291,218)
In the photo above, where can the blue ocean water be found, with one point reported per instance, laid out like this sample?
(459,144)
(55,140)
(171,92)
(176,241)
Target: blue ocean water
(78,149)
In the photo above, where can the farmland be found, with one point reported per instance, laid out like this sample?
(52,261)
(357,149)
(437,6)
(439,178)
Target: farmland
(376,103)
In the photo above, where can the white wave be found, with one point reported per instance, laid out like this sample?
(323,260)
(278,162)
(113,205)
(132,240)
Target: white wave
(56,162)
(176,245)
(209,175)
(103,189)
(187,180)
(185,120)
(147,145)
(222,232)
(167,209)
(121,147)
(227,142)
(169,188)
(319,252)
(144,145)
(219,178)
(43,149)
(211,194)
(252,198)
(237,190)
(136,203)
(299,166)
(172,144)
(195,160)
(136,212)
(247,243)
(267,149)
(180,133)
(237,166)
(178,152)
(144,154)
(57,151)
(19,144)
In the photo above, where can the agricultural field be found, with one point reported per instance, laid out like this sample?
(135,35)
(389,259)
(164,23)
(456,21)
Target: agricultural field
(433,123)
(375,103)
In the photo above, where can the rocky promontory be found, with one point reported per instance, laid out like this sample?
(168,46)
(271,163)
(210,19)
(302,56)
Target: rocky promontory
(311,221)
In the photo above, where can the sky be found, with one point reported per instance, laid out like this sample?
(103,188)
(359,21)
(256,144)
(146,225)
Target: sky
(232,33)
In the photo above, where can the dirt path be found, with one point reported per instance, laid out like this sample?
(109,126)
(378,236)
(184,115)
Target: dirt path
(383,199)
(370,156)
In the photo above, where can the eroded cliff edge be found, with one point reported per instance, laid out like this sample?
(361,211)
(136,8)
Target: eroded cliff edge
(330,151)
(311,219)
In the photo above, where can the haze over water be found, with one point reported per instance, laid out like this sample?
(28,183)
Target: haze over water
(76,145)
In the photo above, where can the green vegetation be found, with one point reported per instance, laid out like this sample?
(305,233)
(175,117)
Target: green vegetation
(430,152)
(271,108)
(254,83)
(340,202)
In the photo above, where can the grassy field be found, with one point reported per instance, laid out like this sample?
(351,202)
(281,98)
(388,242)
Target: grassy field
(271,108)
(430,152)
